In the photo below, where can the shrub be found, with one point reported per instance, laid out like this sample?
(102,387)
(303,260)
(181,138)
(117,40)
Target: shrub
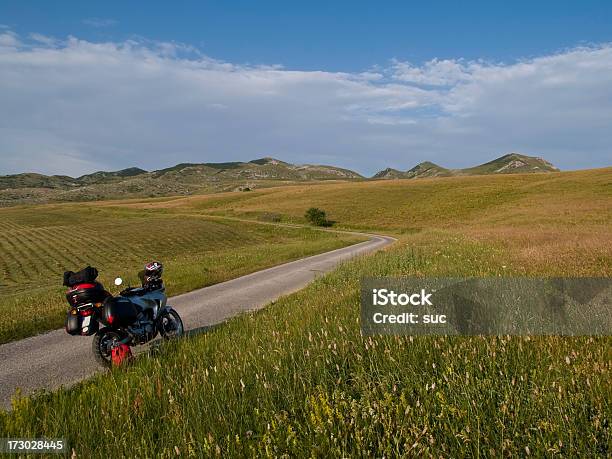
(317,217)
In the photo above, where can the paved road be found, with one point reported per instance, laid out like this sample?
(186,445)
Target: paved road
(54,359)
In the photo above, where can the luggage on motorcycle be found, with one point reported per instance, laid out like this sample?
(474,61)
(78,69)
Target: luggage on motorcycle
(120,354)
(86,293)
(119,312)
(78,325)
(85,276)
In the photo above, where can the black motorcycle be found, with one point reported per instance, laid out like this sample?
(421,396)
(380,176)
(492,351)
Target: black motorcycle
(135,317)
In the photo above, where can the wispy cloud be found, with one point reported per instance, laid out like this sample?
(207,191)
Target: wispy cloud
(100,22)
(9,39)
(71,106)
(44,39)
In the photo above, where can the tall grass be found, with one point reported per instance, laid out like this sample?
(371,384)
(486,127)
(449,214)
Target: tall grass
(298,379)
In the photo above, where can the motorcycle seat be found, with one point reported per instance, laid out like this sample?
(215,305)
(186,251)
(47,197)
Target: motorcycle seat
(134,291)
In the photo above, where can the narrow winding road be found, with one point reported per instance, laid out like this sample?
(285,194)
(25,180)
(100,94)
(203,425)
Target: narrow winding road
(56,359)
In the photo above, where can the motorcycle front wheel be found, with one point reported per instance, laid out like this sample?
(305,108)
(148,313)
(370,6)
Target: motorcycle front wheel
(170,324)
(103,343)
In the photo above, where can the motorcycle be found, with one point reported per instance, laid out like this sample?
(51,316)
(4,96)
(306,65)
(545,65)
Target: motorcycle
(135,317)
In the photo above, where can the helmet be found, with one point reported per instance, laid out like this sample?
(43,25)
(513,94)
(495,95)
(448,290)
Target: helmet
(150,276)
(153,270)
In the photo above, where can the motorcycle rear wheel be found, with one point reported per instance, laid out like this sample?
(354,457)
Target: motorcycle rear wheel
(102,344)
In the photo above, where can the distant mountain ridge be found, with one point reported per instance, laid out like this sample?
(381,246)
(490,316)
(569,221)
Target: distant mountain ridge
(102,176)
(190,178)
(511,163)
(258,169)
(181,179)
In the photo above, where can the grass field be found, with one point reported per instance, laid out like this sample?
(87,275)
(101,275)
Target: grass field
(37,244)
(554,223)
(282,383)
(298,379)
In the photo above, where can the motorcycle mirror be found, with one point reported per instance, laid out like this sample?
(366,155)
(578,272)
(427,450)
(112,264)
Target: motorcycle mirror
(118,281)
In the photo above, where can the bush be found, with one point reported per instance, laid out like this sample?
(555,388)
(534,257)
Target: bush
(317,217)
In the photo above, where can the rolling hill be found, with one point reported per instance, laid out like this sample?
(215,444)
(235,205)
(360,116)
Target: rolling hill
(299,375)
(258,169)
(512,163)
(198,173)
(197,178)
(182,179)
(103,177)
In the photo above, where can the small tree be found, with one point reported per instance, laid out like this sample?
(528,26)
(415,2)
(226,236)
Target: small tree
(317,217)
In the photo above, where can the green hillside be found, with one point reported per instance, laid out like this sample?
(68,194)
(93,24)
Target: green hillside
(259,169)
(298,379)
(424,169)
(181,179)
(512,163)
(427,169)
(389,173)
(32,180)
(203,178)
(546,221)
(103,177)
(37,244)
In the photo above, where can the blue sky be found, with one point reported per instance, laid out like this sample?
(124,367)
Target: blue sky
(363,85)
(329,35)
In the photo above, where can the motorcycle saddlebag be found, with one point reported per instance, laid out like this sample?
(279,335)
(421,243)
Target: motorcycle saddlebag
(120,312)
(78,325)
(86,293)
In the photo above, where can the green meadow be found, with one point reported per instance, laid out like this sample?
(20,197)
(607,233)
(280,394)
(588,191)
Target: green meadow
(37,244)
(297,379)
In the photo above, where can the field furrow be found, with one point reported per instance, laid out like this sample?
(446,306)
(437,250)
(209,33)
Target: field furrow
(72,251)
(8,264)
(49,253)
(7,225)
(78,243)
(22,254)
(38,244)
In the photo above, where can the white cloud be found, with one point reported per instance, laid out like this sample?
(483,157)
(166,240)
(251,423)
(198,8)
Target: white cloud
(99,22)
(435,72)
(9,39)
(73,106)
(44,39)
